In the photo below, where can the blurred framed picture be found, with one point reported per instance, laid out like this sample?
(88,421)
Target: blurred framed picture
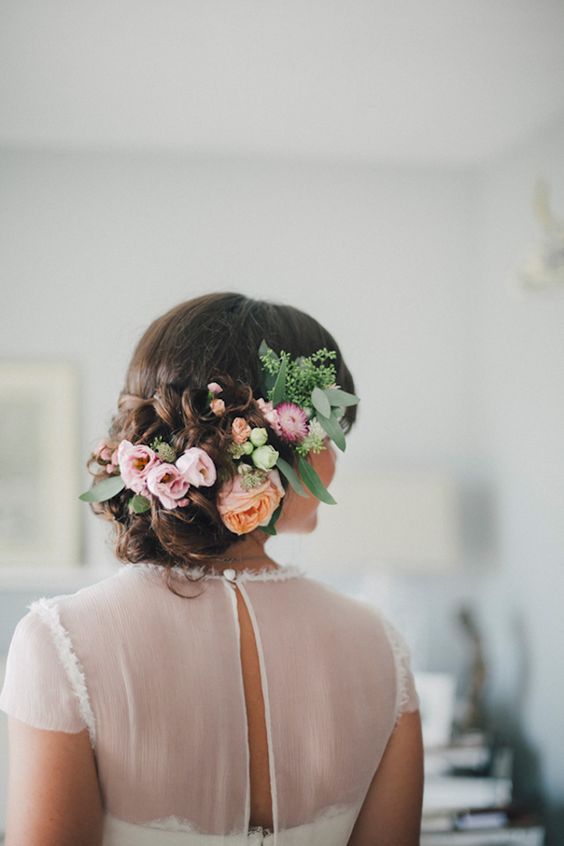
(39,515)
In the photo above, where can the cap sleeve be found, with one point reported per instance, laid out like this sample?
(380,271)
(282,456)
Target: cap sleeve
(44,683)
(407,698)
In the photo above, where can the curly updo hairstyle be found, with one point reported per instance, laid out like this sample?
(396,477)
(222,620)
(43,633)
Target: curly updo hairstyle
(212,338)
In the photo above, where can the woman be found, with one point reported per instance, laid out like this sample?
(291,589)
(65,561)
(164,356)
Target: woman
(204,694)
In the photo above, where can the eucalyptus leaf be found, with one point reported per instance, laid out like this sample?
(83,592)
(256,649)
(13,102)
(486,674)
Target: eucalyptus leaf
(139,504)
(313,482)
(321,401)
(268,380)
(333,429)
(270,529)
(280,384)
(104,490)
(288,471)
(338,397)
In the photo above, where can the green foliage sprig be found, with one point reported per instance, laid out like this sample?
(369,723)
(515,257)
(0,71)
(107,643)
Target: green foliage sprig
(302,374)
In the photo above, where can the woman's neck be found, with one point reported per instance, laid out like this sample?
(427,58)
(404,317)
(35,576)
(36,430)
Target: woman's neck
(246,554)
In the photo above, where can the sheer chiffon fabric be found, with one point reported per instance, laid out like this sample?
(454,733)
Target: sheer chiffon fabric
(156,680)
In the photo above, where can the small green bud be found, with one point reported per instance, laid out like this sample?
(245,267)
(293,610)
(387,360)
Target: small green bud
(258,437)
(265,457)
(247,447)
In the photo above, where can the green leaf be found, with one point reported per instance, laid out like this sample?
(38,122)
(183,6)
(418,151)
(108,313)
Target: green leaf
(333,429)
(337,397)
(139,504)
(264,349)
(288,471)
(268,380)
(321,402)
(269,529)
(313,482)
(280,384)
(105,489)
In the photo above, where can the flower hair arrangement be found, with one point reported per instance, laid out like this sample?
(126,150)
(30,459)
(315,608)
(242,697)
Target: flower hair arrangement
(304,406)
(152,469)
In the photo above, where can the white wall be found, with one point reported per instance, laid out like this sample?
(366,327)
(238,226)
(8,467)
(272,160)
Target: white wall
(521,350)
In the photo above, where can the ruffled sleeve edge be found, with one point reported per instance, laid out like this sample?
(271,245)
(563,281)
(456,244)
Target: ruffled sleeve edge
(402,660)
(47,609)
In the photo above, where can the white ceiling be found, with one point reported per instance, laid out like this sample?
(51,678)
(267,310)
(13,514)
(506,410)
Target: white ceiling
(443,82)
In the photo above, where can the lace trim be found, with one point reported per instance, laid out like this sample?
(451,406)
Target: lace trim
(174,823)
(401,653)
(289,571)
(47,610)
(181,824)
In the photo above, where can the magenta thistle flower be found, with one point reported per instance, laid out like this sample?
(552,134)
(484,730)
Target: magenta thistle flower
(291,424)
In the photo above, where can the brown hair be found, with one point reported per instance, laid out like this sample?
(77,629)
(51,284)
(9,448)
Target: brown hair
(214,337)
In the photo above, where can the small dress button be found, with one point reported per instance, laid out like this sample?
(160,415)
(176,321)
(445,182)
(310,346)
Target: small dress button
(230,574)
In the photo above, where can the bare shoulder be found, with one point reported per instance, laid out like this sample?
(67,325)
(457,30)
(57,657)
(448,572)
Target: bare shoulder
(53,792)
(391,812)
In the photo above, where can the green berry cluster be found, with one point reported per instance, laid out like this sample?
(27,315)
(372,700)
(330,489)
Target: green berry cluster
(251,477)
(303,374)
(314,440)
(165,451)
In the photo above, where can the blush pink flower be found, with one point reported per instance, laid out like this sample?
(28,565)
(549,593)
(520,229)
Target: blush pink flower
(292,422)
(269,412)
(243,510)
(113,466)
(240,430)
(105,453)
(197,467)
(135,463)
(214,388)
(166,482)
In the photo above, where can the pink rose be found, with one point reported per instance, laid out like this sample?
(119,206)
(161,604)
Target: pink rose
(243,510)
(269,412)
(167,483)
(214,388)
(217,406)
(135,463)
(240,430)
(197,467)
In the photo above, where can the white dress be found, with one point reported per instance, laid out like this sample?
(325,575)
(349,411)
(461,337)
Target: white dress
(157,681)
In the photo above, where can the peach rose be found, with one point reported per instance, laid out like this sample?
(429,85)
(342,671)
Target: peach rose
(218,407)
(240,430)
(241,510)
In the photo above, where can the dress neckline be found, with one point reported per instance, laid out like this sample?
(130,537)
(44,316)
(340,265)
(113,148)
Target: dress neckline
(265,574)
